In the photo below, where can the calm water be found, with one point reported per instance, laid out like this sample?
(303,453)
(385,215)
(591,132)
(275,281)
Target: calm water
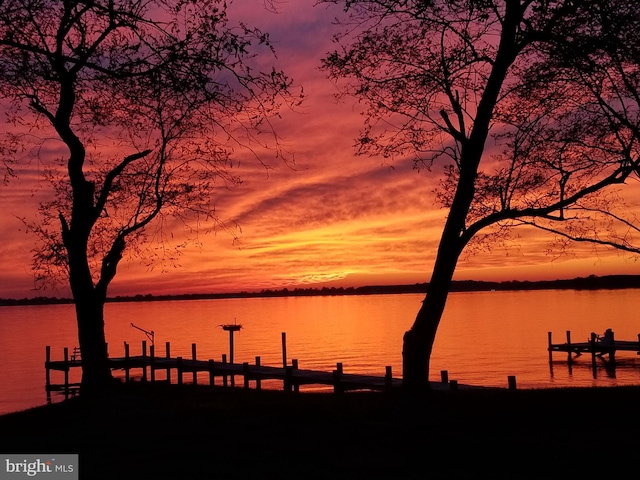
(483,338)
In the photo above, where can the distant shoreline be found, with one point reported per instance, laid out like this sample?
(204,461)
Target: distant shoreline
(592,282)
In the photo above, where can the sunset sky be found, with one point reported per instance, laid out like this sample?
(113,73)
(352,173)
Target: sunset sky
(326,218)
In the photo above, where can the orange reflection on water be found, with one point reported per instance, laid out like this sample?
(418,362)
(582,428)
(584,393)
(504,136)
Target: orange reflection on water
(483,337)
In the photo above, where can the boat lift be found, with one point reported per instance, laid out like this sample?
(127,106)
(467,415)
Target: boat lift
(150,334)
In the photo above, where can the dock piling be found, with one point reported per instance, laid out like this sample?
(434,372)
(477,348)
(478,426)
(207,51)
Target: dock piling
(66,373)
(193,357)
(224,376)
(294,367)
(168,350)
(592,345)
(152,363)
(388,378)
(284,349)
(612,352)
(127,377)
(258,381)
(47,369)
(212,376)
(337,381)
(287,383)
(179,370)
(144,366)
(245,373)
(46,366)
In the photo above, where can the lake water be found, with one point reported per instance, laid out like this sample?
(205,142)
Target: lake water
(483,338)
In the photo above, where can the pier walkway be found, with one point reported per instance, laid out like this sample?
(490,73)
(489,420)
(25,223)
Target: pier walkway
(170,369)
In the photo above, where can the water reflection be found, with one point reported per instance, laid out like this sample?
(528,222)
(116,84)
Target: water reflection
(483,338)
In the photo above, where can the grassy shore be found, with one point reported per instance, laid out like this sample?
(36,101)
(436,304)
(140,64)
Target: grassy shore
(164,432)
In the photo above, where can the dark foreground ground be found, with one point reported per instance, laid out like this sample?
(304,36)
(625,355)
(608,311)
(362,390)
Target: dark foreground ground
(203,433)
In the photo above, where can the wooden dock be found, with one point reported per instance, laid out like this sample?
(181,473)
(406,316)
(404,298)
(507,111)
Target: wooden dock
(597,346)
(153,368)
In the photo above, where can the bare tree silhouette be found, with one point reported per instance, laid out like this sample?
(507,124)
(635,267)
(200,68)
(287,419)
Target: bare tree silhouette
(531,107)
(138,107)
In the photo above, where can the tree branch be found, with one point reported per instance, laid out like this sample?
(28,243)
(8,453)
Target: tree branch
(580,239)
(112,175)
(616,177)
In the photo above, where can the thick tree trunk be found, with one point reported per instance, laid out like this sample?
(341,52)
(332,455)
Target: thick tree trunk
(96,373)
(418,341)
(89,299)
(89,303)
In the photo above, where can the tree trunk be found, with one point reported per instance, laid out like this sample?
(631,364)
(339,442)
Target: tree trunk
(89,300)
(418,341)
(96,373)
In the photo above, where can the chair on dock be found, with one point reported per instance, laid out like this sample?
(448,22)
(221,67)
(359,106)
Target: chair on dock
(606,338)
(76,356)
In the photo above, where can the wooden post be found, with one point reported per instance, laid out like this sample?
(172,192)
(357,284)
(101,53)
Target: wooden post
(444,376)
(337,379)
(66,373)
(511,379)
(152,363)
(388,378)
(284,349)
(453,385)
(144,356)
(179,369)
(549,347)
(245,373)
(592,346)
(212,377)
(337,383)
(126,363)
(294,367)
(232,377)
(168,350)
(258,380)
(612,352)
(47,360)
(193,357)
(569,357)
(224,366)
(288,379)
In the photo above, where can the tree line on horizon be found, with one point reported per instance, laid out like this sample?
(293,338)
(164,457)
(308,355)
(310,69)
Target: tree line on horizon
(592,282)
